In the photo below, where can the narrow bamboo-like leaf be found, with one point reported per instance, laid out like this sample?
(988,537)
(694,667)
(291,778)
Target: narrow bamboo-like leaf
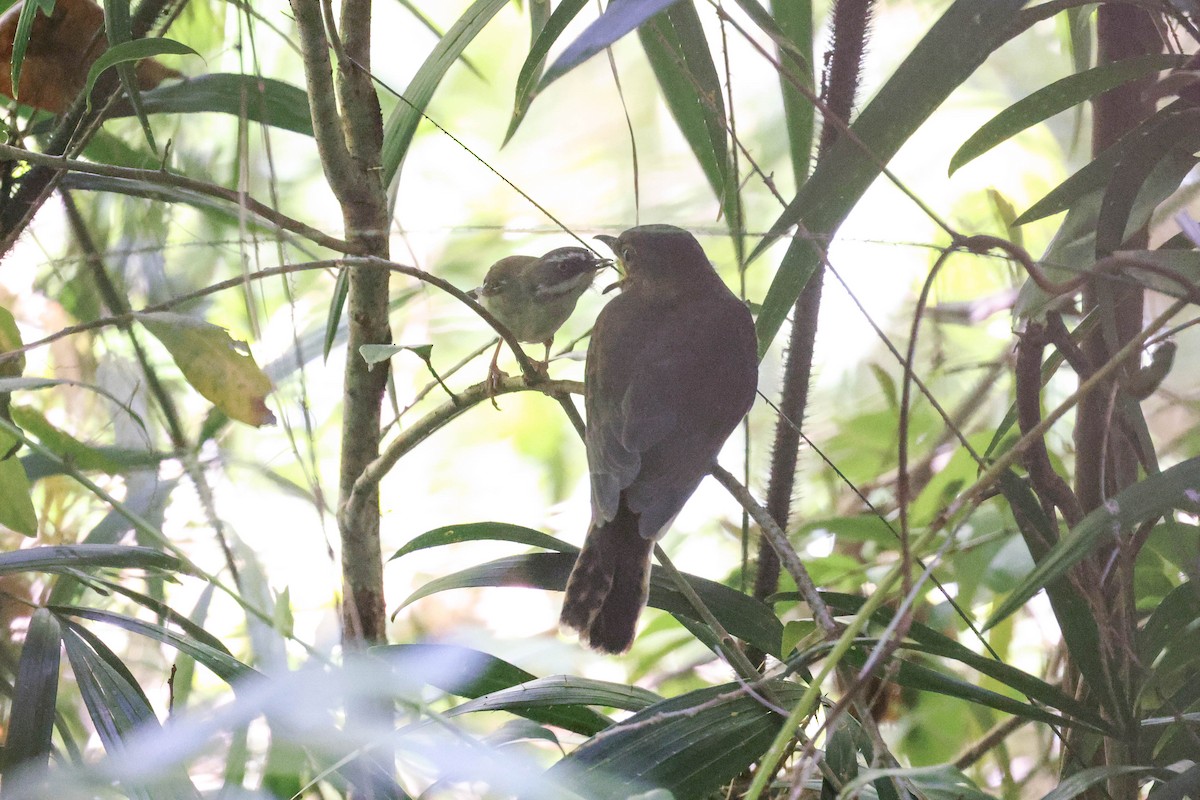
(217,659)
(1184,786)
(64,558)
(679,54)
(183,680)
(1178,134)
(402,125)
(531,70)
(926,679)
(116,704)
(474,674)
(163,612)
(964,36)
(337,304)
(119,709)
(223,210)
(1151,497)
(1178,611)
(939,782)
(741,615)
(439,33)
(259,99)
(1094,175)
(620,18)
(21,38)
(118,30)
(1073,248)
(689,745)
(1079,782)
(484,532)
(1075,619)
(928,640)
(1056,98)
(31,716)
(561,690)
(795,21)
(129,52)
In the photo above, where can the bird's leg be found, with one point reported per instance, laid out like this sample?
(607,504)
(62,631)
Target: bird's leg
(495,376)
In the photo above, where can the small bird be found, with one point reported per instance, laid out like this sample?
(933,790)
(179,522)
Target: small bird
(533,297)
(671,369)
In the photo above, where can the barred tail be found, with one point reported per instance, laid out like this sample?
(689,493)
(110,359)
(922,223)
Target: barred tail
(609,584)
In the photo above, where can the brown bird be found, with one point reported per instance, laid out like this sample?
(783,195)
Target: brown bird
(533,296)
(671,370)
(62,48)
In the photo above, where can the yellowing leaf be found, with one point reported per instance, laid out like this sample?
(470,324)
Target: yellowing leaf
(10,339)
(216,365)
(16,504)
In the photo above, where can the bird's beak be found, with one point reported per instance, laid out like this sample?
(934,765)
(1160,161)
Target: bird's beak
(474,293)
(611,243)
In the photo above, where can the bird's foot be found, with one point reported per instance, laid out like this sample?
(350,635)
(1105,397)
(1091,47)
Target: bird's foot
(495,380)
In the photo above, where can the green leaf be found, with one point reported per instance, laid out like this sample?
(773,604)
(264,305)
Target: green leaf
(116,704)
(927,640)
(484,532)
(1176,135)
(1178,611)
(561,690)
(955,46)
(83,456)
(690,745)
(1073,248)
(741,615)
(472,674)
(1151,497)
(31,716)
(679,54)
(940,782)
(795,21)
(16,494)
(258,99)
(439,33)
(67,558)
(215,657)
(1094,175)
(621,17)
(221,210)
(337,304)
(1056,98)
(130,52)
(531,70)
(21,38)
(1078,783)
(402,125)
(1075,619)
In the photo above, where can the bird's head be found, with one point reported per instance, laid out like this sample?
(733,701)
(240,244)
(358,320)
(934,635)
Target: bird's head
(565,272)
(502,278)
(656,251)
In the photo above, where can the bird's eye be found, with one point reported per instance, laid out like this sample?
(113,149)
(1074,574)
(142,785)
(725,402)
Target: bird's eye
(627,253)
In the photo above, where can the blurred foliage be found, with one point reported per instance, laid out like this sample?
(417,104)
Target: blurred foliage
(146,531)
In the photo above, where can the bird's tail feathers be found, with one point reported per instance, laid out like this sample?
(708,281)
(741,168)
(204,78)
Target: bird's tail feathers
(609,584)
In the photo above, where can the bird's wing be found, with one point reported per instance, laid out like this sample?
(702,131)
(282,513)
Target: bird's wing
(651,445)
